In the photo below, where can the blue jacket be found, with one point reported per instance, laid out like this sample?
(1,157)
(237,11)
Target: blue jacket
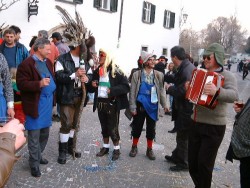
(21,52)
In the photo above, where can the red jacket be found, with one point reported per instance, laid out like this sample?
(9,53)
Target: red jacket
(28,82)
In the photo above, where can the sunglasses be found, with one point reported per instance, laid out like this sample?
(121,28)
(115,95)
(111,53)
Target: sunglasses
(102,55)
(207,57)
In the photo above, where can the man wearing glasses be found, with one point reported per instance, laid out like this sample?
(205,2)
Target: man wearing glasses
(208,126)
(146,95)
(111,88)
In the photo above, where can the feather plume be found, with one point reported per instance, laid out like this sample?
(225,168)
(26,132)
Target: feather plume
(75,30)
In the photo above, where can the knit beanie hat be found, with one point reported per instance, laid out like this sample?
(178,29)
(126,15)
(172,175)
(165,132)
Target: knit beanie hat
(145,56)
(218,51)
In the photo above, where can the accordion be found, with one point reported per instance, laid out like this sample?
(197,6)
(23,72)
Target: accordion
(195,90)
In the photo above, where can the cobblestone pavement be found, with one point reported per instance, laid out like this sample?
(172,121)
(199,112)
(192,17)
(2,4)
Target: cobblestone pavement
(92,172)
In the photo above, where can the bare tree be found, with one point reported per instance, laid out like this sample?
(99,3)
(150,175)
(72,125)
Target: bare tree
(189,40)
(6,4)
(227,32)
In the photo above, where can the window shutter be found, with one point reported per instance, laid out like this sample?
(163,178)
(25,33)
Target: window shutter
(144,11)
(152,14)
(78,1)
(172,20)
(97,3)
(113,5)
(165,18)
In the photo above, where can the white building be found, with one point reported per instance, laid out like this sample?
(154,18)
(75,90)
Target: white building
(143,25)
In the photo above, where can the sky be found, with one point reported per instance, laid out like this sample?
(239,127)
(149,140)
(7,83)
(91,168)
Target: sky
(200,12)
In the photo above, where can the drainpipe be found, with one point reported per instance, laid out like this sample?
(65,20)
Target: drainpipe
(120,24)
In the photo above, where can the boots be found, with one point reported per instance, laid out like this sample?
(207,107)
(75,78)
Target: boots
(150,154)
(72,148)
(62,152)
(133,151)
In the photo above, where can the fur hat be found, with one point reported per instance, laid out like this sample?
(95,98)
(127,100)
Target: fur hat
(145,56)
(218,51)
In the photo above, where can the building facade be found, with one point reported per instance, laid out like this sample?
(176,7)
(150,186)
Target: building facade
(126,26)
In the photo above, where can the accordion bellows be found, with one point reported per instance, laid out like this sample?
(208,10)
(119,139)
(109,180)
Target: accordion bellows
(195,91)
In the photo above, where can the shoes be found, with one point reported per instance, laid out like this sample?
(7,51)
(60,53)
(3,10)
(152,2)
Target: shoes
(103,151)
(44,161)
(133,151)
(35,172)
(150,154)
(173,131)
(171,159)
(55,118)
(178,168)
(116,154)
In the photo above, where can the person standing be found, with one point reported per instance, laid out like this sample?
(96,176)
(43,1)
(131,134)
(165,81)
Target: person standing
(35,80)
(146,95)
(6,91)
(72,73)
(239,148)
(161,64)
(69,79)
(13,51)
(57,39)
(62,48)
(209,125)
(54,51)
(111,88)
(245,71)
(17,31)
(181,109)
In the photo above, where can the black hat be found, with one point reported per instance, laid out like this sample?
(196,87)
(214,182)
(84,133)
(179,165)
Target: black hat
(56,35)
(163,57)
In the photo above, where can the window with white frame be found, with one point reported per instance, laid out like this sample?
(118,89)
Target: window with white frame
(164,51)
(169,19)
(144,48)
(148,12)
(107,5)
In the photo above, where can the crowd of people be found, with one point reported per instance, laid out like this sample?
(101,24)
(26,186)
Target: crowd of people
(53,73)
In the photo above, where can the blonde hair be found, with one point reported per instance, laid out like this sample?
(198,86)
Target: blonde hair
(110,61)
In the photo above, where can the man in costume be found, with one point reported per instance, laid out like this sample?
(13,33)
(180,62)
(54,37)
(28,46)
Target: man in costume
(146,95)
(71,78)
(110,97)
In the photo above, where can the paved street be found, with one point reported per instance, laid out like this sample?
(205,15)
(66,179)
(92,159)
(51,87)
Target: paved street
(92,172)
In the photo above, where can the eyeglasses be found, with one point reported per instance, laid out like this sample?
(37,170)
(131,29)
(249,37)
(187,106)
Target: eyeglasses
(151,59)
(207,57)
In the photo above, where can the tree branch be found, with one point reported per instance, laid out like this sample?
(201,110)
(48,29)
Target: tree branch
(4,6)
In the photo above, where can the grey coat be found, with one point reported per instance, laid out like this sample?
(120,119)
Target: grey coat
(135,86)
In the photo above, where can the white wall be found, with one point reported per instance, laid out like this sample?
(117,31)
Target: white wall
(104,26)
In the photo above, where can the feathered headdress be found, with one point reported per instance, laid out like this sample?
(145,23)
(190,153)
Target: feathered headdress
(75,32)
